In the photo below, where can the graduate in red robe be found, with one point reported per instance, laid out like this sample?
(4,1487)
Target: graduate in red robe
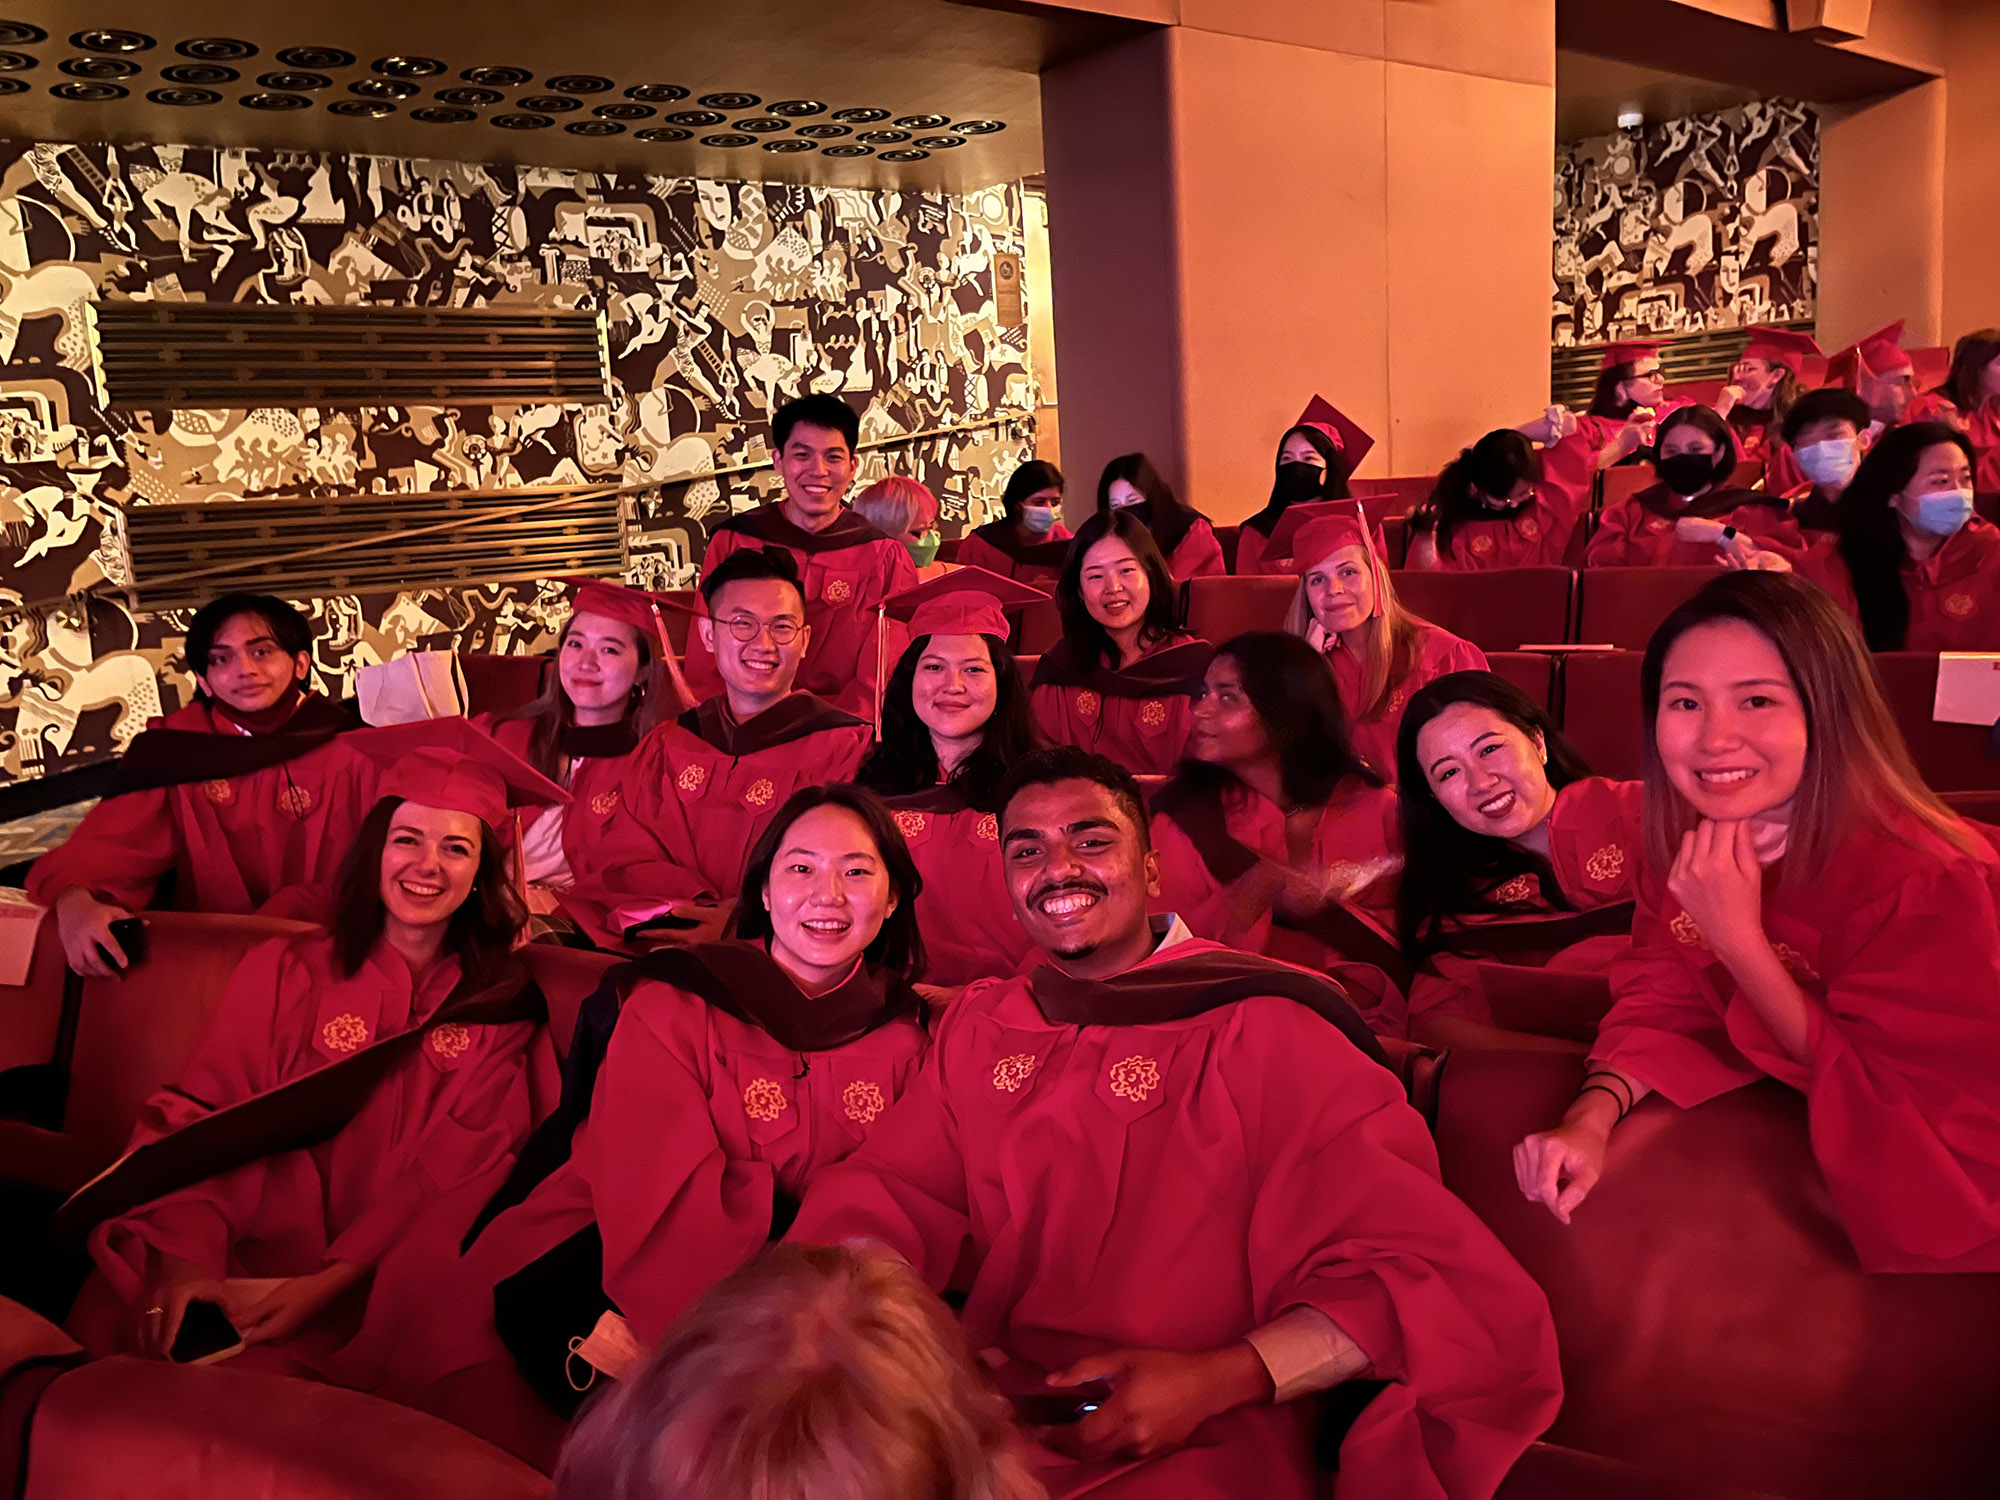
(1347,607)
(1808,912)
(1630,398)
(1029,542)
(1969,399)
(1880,371)
(1187,1171)
(1507,835)
(1765,382)
(696,1111)
(1317,456)
(846,566)
(1120,680)
(616,680)
(1826,434)
(1183,535)
(1909,555)
(245,796)
(1503,503)
(414,980)
(1695,515)
(702,786)
(955,721)
(1274,816)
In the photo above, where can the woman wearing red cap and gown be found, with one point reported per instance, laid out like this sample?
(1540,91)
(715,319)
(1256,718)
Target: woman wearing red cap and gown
(1504,503)
(423,1033)
(1272,815)
(1183,535)
(616,680)
(695,1113)
(1765,381)
(702,786)
(1696,516)
(955,721)
(1509,842)
(1317,456)
(1120,680)
(1969,399)
(1029,542)
(1346,606)
(1631,396)
(246,797)
(1808,912)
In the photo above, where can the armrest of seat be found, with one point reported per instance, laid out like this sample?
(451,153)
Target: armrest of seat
(45,1158)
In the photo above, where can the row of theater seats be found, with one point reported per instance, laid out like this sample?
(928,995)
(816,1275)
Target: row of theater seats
(1717,1338)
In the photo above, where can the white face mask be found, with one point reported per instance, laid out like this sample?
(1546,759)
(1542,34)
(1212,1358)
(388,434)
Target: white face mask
(1830,464)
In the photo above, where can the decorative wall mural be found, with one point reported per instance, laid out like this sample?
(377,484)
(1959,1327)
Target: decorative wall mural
(1691,224)
(722,301)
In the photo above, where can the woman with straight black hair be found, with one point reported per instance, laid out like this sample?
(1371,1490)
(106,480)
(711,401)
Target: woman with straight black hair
(694,1115)
(955,721)
(1695,516)
(1809,912)
(1273,814)
(1120,680)
(1315,458)
(1503,503)
(1969,399)
(1029,541)
(1183,535)
(1503,825)
(1919,567)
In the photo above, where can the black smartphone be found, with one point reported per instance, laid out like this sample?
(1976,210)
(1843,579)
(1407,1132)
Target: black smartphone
(206,1334)
(130,934)
(1058,1405)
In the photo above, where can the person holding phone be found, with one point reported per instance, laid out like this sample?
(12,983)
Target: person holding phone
(425,917)
(1188,1173)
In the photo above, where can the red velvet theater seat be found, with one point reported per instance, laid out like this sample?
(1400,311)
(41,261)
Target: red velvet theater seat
(1714,1327)
(1623,482)
(1950,757)
(1601,715)
(1623,606)
(31,1011)
(1546,1002)
(1533,672)
(1497,610)
(501,684)
(1220,608)
(1037,628)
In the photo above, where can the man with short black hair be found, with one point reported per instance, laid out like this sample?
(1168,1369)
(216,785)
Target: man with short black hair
(1189,1173)
(846,566)
(243,794)
(1827,432)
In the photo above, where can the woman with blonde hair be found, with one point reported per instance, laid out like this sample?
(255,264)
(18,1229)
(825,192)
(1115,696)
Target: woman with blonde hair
(1347,607)
(906,510)
(1808,912)
(814,1373)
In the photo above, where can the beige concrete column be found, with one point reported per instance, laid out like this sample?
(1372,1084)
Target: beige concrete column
(1882,217)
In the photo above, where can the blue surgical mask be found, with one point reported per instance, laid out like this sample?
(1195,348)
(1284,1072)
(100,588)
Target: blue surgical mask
(1039,519)
(1940,513)
(1830,464)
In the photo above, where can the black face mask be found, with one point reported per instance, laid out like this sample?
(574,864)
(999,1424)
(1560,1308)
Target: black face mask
(1686,473)
(1298,483)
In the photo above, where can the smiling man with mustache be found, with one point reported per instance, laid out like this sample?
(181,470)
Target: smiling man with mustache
(1187,1173)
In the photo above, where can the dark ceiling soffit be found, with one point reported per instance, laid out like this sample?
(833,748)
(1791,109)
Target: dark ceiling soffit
(1067,33)
(1679,39)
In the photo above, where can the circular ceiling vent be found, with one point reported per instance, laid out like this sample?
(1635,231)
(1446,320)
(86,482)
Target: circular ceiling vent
(924,122)
(17,62)
(185,98)
(473,97)
(824,132)
(295,82)
(274,102)
(361,109)
(624,111)
(789,145)
(580,83)
(847,151)
(759,124)
(90,93)
(11,85)
(407,67)
(549,104)
(594,127)
(442,114)
(904,156)
(20,34)
(382,88)
(316,59)
(199,74)
(696,117)
(797,109)
(940,142)
(656,93)
(497,78)
(861,116)
(103,39)
(979,127)
(522,122)
(729,140)
(731,101)
(215,49)
(883,137)
(658,133)
(98,67)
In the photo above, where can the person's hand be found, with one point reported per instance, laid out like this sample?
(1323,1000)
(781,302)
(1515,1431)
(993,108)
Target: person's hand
(1558,1168)
(938,996)
(1718,882)
(1700,529)
(173,1285)
(1158,1398)
(1727,398)
(84,925)
(294,1302)
(1562,422)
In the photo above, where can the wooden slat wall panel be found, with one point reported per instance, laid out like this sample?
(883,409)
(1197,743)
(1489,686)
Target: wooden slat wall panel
(1692,356)
(209,354)
(488,543)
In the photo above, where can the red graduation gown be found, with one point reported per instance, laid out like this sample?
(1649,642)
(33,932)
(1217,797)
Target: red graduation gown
(1438,652)
(965,912)
(1897,948)
(1198,554)
(1537,535)
(458,1109)
(1631,534)
(848,569)
(1595,839)
(1982,427)
(698,1122)
(997,549)
(269,841)
(1954,594)
(1139,716)
(1177,1185)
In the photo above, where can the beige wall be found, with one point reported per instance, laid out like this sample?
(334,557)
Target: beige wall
(1972,170)
(1882,217)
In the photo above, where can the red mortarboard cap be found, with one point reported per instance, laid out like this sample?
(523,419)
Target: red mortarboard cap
(1880,353)
(966,601)
(1780,346)
(1306,533)
(1931,366)
(449,763)
(644,612)
(1630,352)
(1353,443)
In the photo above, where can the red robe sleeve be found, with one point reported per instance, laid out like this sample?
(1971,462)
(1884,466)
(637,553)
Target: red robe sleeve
(1618,541)
(644,862)
(1199,554)
(1249,552)
(118,853)
(1984,431)
(1189,890)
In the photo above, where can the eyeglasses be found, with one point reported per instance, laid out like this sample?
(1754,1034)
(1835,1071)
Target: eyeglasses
(747,629)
